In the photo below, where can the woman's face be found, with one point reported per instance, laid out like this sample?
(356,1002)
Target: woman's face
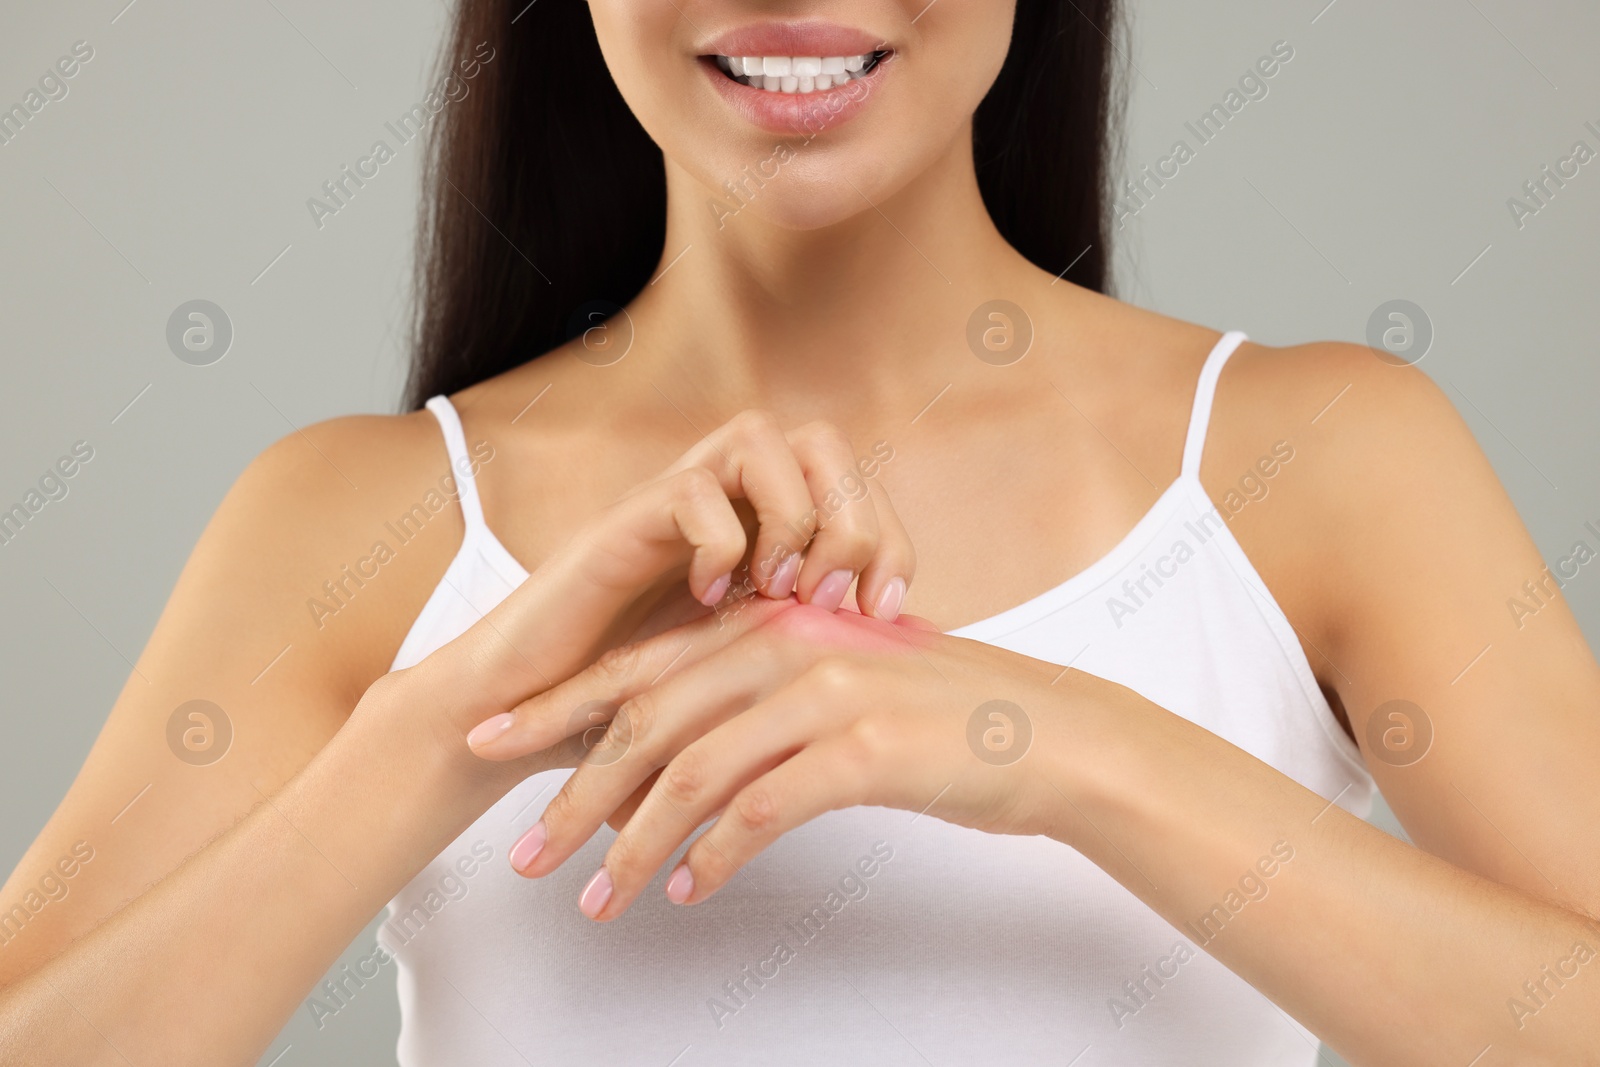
(851,100)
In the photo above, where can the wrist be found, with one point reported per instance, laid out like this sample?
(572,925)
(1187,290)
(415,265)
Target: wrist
(420,732)
(1087,758)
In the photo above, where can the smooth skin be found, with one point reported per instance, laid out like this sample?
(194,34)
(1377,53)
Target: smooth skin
(841,294)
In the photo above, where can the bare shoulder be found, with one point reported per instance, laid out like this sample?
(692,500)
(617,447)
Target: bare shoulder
(1367,433)
(1358,490)
(339,532)
(292,602)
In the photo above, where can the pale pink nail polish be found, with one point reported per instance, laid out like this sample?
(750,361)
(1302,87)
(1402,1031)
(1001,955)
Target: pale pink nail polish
(782,583)
(829,593)
(681,885)
(489,729)
(717,591)
(889,601)
(528,846)
(592,900)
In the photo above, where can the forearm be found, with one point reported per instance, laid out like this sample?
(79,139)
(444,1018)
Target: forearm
(206,966)
(1389,953)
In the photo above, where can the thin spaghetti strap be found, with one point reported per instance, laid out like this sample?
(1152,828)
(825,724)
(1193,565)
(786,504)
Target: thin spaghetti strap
(455,443)
(1205,392)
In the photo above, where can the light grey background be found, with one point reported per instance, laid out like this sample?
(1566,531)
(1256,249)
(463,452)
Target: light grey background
(179,165)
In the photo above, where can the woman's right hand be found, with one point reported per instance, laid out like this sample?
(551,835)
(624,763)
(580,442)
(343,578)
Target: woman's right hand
(345,809)
(819,525)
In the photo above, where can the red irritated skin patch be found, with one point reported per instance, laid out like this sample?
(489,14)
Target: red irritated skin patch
(847,630)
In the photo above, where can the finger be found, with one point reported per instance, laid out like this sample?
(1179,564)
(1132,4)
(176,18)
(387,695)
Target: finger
(697,783)
(881,589)
(560,619)
(845,517)
(584,703)
(684,515)
(831,774)
(651,729)
(619,818)
(753,460)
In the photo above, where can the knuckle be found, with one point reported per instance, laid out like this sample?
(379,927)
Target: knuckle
(683,781)
(392,687)
(755,424)
(823,436)
(834,678)
(870,739)
(697,485)
(755,809)
(711,866)
(634,721)
(618,666)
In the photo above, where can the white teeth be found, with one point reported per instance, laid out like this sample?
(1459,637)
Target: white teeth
(796,74)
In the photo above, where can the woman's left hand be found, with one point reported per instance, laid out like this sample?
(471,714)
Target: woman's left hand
(808,712)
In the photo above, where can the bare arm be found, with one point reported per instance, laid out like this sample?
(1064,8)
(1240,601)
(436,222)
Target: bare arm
(237,634)
(1396,554)
(231,937)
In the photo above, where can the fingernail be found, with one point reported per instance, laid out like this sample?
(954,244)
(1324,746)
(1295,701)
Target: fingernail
(782,583)
(889,601)
(528,846)
(681,885)
(594,896)
(717,591)
(829,593)
(489,729)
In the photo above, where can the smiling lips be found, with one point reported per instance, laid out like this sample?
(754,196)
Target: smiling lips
(798,74)
(796,77)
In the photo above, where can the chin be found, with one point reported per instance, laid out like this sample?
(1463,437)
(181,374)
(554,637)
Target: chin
(798,188)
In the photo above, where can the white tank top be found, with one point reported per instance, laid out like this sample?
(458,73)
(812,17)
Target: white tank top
(873,935)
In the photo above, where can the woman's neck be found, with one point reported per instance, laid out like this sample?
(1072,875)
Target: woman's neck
(755,313)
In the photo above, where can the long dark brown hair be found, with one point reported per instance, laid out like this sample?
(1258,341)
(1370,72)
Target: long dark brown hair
(544,196)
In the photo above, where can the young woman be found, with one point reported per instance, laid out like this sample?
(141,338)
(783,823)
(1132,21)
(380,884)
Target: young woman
(1181,602)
